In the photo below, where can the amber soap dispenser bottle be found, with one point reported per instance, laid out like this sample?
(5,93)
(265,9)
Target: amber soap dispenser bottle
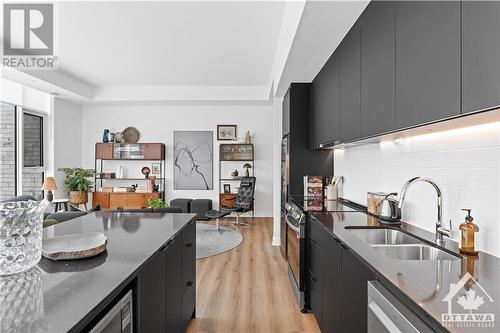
(468,231)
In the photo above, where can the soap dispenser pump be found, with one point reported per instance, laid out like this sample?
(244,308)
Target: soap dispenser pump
(468,235)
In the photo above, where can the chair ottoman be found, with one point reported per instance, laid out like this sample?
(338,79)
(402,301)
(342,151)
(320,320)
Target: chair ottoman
(183,204)
(200,207)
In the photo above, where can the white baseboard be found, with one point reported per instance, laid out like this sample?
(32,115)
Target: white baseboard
(276,241)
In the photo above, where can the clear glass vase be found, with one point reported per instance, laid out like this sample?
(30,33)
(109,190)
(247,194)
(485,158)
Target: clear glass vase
(20,235)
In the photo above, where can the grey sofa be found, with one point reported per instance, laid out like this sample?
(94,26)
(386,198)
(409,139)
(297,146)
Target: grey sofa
(58,216)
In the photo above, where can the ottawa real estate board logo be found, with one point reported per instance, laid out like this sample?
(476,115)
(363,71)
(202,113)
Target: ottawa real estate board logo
(28,36)
(466,299)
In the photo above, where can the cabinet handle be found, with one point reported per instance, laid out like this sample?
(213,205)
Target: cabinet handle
(189,283)
(189,245)
(313,241)
(164,247)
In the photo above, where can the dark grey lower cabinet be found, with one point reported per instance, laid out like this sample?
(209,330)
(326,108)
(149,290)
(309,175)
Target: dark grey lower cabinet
(324,260)
(173,260)
(355,275)
(151,295)
(337,283)
(166,286)
(332,286)
(188,273)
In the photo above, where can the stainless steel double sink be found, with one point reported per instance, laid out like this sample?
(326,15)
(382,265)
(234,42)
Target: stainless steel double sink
(400,245)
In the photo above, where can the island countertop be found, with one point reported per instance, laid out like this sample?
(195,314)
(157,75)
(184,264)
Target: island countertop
(63,296)
(424,284)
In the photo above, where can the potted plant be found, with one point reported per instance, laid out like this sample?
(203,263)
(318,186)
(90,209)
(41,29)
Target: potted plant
(247,167)
(156,203)
(78,184)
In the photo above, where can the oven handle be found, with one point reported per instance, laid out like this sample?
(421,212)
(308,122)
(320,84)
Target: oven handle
(291,225)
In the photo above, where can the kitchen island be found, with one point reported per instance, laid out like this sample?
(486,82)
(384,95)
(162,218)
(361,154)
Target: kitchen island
(150,254)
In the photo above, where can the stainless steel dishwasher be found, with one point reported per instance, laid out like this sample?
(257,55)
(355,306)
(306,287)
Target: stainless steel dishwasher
(387,314)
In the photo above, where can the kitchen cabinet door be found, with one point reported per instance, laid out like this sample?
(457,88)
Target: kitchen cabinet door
(188,273)
(154,151)
(331,285)
(104,151)
(174,286)
(354,277)
(325,102)
(427,61)
(151,295)
(480,55)
(315,272)
(350,86)
(285,121)
(378,110)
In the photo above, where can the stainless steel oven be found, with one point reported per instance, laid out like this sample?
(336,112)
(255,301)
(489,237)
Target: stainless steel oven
(296,220)
(119,318)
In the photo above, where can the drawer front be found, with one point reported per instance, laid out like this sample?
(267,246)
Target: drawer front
(189,255)
(188,305)
(117,200)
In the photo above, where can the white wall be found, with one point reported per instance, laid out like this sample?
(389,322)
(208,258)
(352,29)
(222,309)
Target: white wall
(158,123)
(464,162)
(67,141)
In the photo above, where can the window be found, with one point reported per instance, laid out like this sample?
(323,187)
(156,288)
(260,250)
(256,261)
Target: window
(32,155)
(21,170)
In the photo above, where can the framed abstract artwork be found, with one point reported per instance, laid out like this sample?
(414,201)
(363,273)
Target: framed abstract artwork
(193,160)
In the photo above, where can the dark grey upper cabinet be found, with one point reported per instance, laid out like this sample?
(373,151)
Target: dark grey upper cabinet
(427,61)
(325,104)
(480,55)
(350,86)
(378,111)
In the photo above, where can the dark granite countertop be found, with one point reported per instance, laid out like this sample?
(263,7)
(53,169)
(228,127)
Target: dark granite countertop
(63,296)
(425,284)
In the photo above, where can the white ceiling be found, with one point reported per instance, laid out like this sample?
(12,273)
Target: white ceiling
(169,43)
(190,51)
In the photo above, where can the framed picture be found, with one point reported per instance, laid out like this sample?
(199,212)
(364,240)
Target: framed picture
(227,188)
(155,168)
(193,160)
(226,132)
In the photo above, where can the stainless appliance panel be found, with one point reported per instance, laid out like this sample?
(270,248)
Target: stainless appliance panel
(119,319)
(295,220)
(387,314)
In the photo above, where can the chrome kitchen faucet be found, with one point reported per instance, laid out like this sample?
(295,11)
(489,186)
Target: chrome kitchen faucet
(440,231)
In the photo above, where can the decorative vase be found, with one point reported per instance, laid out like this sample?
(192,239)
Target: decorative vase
(21,296)
(248,138)
(78,198)
(20,235)
(111,137)
(105,137)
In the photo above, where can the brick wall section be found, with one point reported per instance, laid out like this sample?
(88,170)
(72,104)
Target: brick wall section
(7,151)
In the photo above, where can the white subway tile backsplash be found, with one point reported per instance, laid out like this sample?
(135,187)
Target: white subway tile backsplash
(464,162)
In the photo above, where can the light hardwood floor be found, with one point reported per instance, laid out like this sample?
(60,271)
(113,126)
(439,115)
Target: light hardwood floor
(247,289)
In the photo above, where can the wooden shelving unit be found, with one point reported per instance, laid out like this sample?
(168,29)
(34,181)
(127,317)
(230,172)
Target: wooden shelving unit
(127,152)
(232,153)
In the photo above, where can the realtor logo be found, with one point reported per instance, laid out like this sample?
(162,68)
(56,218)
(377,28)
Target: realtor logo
(470,296)
(28,36)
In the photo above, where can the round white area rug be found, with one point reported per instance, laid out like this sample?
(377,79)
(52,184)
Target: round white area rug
(209,242)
